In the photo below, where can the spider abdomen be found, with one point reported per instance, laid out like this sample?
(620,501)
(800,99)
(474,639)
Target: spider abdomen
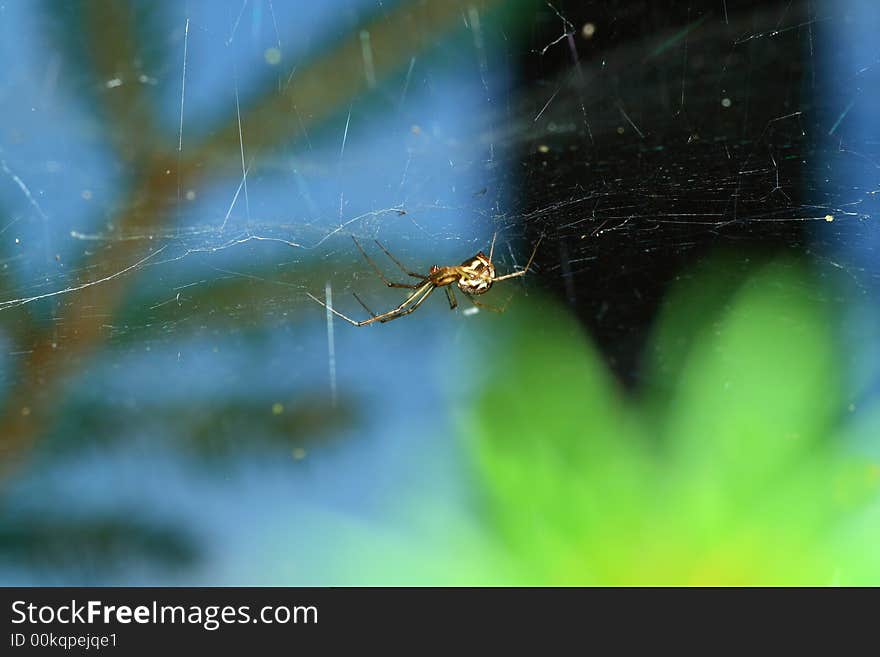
(476,275)
(474,285)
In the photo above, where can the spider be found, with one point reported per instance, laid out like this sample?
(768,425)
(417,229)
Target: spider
(474,277)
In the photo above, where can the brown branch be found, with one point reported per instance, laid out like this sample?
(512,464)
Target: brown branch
(113,54)
(319,89)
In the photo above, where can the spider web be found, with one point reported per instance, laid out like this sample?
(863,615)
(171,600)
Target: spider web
(171,195)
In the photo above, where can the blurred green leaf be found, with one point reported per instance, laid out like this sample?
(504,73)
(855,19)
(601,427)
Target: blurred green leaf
(551,436)
(692,308)
(759,387)
(730,471)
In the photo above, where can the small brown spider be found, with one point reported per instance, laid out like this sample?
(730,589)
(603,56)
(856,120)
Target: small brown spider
(474,277)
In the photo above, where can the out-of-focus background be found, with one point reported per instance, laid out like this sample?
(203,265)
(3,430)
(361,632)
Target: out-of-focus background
(684,390)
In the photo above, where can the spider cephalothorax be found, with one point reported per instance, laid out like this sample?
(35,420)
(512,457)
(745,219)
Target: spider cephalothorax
(473,277)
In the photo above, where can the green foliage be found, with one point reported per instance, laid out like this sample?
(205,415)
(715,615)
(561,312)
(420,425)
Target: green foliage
(729,468)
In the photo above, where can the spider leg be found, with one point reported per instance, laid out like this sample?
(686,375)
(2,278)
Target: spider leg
(395,314)
(402,309)
(494,309)
(418,295)
(523,271)
(333,310)
(365,307)
(398,263)
(450,295)
(379,272)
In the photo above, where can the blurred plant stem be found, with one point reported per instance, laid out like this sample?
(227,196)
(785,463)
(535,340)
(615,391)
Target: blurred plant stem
(320,88)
